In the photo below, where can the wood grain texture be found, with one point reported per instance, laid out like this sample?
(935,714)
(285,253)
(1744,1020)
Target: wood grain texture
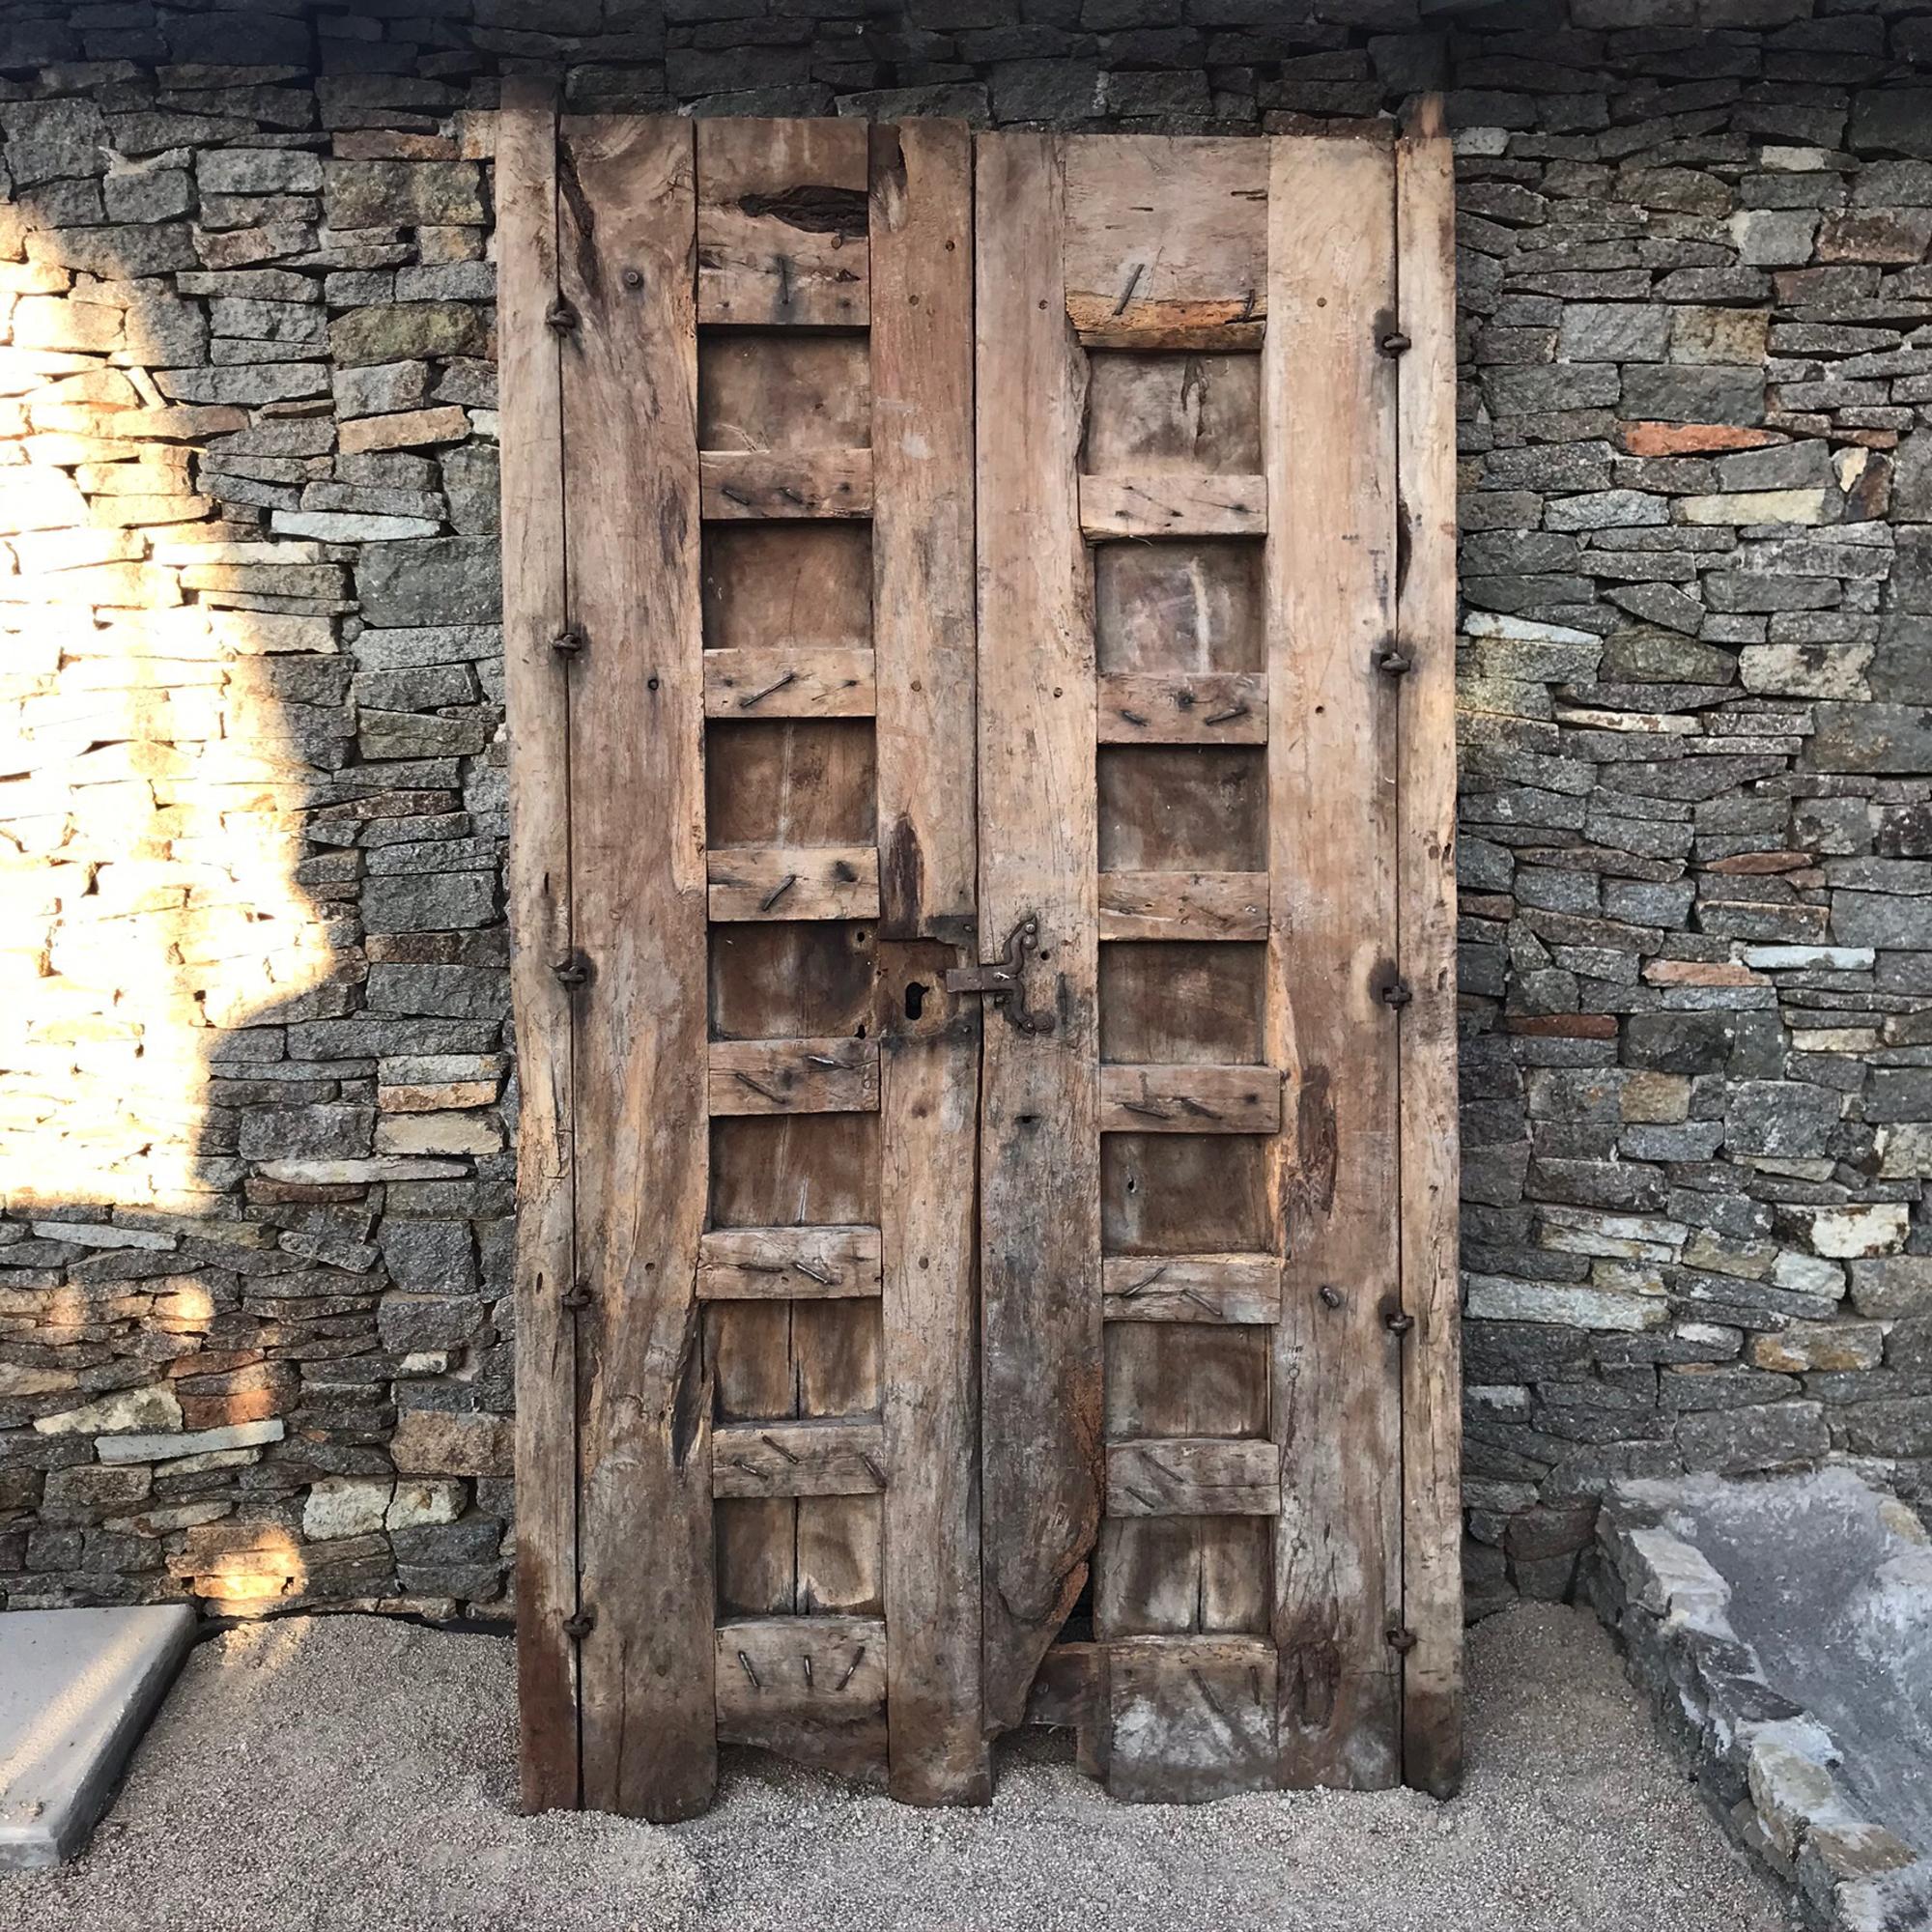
(788,1263)
(782,222)
(793,1076)
(638,880)
(1331,606)
(794,882)
(1426,910)
(1164,504)
(745,485)
(1183,1099)
(828,1457)
(1183,708)
(1192,1288)
(1040,1190)
(788,684)
(1193,1476)
(925,635)
(1166,242)
(1184,905)
(536,609)
(809,1687)
(1193,1717)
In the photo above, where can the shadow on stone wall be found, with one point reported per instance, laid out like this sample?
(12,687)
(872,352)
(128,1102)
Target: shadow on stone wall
(237,863)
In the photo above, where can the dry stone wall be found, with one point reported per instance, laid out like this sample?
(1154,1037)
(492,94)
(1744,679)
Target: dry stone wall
(256,1088)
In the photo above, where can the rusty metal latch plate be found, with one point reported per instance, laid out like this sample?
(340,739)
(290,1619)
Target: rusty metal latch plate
(1002,979)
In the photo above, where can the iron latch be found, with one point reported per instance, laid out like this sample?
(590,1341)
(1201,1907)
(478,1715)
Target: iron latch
(1001,979)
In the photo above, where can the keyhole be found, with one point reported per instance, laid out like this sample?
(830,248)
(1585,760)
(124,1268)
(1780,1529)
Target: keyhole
(915,1000)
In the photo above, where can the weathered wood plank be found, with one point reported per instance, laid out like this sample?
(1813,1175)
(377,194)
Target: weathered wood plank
(810,1688)
(1426,901)
(794,881)
(1173,504)
(788,684)
(1184,906)
(1201,1475)
(629,374)
(1070,1694)
(536,609)
(788,1263)
(827,1456)
(924,634)
(1183,708)
(749,485)
(1166,242)
(1039,1092)
(1193,1717)
(1235,1288)
(794,1076)
(782,222)
(1331,565)
(1187,1100)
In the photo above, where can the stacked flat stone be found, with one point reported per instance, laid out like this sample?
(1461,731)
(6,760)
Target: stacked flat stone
(256,1088)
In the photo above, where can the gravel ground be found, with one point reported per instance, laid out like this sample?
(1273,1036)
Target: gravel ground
(352,1775)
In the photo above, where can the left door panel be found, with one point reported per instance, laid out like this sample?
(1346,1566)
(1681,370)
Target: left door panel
(748,691)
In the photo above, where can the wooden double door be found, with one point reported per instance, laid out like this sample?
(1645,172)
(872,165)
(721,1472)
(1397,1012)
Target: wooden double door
(979,620)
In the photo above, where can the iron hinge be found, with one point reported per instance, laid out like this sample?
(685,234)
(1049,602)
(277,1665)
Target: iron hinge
(1395,992)
(1398,1636)
(1396,1322)
(573,970)
(1394,343)
(1392,662)
(579,1625)
(577,1295)
(560,317)
(569,643)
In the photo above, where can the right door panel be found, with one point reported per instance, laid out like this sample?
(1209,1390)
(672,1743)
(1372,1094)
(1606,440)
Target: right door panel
(1190,763)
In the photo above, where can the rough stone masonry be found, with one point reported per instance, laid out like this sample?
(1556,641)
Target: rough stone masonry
(255,1079)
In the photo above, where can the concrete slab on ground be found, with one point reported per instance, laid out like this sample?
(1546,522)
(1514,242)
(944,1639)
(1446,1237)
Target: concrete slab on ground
(76,1690)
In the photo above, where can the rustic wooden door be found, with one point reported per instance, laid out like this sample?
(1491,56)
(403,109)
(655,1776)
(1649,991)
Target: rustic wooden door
(979,648)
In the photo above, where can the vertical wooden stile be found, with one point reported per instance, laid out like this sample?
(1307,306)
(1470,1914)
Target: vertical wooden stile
(534,613)
(1039,1097)
(629,383)
(924,634)
(1329,418)
(1426,896)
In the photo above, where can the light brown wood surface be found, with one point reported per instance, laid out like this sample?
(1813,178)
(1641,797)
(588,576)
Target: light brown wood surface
(536,610)
(924,632)
(639,882)
(1040,1097)
(1331,596)
(1431,1437)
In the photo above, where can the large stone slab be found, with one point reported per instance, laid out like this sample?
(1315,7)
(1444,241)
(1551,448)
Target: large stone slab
(1784,1626)
(76,1690)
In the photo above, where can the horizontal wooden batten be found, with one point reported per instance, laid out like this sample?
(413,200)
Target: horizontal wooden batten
(826,1456)
(823,1263)
(1178,503)
(1182,1098)
(1183,708)
(1234,1289)
(1214,326)
(788,683)
(812,1686)
(1184,905)
(793,881)
(749,485)
(794,1076)
(1194,1475)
